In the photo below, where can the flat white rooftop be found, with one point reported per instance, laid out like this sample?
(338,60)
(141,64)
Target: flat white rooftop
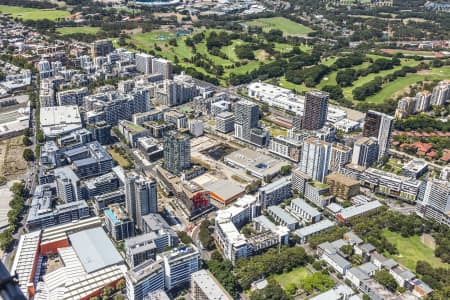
(59,120)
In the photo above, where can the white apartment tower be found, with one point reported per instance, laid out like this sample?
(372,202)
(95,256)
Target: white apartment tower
(315,158)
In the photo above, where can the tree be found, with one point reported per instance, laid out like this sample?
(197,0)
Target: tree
(271,292)
(273,261)
(120,284)
(26,141)
(291,288)
(107,291)
(319,281)
(27,132)
(6,239)
(345,77)
(223,271)
(347,249)
(215,255)
(205,236)
(28,155)
(40,137)
(285,170)
(386,279)
(184,237)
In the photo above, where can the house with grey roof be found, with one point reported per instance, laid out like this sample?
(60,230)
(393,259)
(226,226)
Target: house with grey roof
(305,232)
(403,276)
(352,238)
(331,255)
(365,250)
(305,211)
(282,217)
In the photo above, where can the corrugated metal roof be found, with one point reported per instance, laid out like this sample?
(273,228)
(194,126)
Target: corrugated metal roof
(94,249)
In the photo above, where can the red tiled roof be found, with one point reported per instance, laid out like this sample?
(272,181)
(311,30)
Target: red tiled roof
(422,147)
(446,156)
(431,154)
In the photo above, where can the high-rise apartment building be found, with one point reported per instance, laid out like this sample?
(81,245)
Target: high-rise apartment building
(340,156)
(101,48)
(67,185)
(436,201)
(440,93)
(405,107)
(179,264)
(119,225)
(112,107)
(162,66)
(315,158)
(225,122)
(141,197)
(379,125)
(177,152)
(246,118)
(316,109)
(204,286)
(365,152)
(423,100)
(144,63)
(72,97)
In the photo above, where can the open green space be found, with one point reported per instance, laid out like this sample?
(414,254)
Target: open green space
(158,41)
(330,79)
(285,25)
(121,160)
(411,52)
(292,277)
(401,84)
(292,86)
(83,29)
(27,13)
(411,250)
(363,80)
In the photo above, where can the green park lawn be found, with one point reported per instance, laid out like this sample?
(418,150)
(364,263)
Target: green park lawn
(363,80)
(400,85)
(27,13)
(83,29)
(280,23)
(292,86)
(411,250)
(330,79)
(294,276)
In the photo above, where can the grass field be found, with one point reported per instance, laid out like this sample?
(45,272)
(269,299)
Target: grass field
(294,276)
(330,79)
(72,30)
(401,84)
(122,161)
(411,52)
(412,250)
(363,80)
(33,13)
(280,23)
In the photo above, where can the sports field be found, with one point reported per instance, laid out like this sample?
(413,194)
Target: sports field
(72,30)
(294,276)
(33,13)
(280,23)
(411,250)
